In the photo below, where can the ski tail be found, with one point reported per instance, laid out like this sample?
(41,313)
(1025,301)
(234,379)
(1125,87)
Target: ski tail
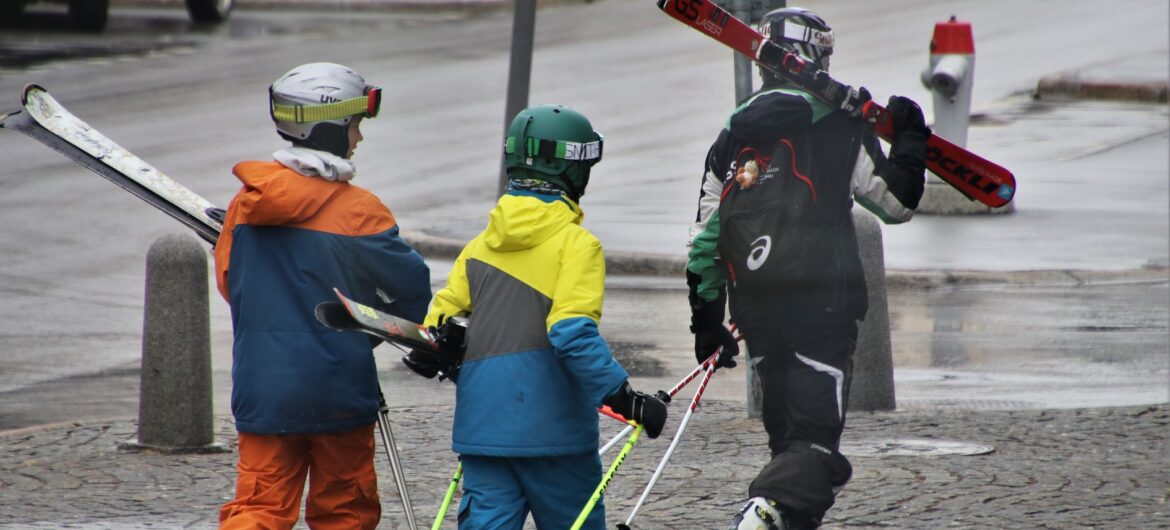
(334,315)
(347,314)
(974,176)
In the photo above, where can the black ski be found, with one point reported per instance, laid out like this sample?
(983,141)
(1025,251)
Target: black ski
(348,315)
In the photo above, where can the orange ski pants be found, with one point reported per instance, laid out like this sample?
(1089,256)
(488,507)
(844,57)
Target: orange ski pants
(343,489)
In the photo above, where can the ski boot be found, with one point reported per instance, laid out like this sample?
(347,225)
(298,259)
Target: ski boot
(759,514)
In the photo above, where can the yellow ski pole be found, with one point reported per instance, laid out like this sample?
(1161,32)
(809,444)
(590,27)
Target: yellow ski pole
(447,499)
(593,499)
(459,469)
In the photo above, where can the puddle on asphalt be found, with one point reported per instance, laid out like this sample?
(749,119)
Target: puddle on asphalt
(912,447)
(634,358)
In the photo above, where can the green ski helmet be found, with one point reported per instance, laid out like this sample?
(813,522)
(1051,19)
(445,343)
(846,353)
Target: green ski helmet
(313,104)
(555,144)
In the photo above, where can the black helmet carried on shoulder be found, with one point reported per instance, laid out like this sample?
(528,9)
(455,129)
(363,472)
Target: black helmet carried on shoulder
(800,31)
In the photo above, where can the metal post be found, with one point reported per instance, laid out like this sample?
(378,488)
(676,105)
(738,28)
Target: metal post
(391,447)
(742,9)
(743,66)
(519,71)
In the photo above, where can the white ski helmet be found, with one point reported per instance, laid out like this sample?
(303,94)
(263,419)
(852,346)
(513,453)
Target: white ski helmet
(800,31)
(313,104)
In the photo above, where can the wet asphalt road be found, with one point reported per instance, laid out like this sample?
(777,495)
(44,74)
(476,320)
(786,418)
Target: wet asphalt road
(1066,342)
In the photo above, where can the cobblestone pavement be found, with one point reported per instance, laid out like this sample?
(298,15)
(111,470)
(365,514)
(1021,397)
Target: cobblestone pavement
(1080,468)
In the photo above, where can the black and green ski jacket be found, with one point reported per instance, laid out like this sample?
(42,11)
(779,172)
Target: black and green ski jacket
(788,233)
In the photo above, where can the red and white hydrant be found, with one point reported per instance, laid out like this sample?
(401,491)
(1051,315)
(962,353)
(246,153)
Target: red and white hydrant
(950,77)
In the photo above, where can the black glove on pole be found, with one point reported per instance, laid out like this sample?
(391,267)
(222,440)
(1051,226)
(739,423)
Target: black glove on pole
(647,410)
(707,325)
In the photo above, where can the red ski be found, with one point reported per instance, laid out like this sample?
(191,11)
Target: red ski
(974,176)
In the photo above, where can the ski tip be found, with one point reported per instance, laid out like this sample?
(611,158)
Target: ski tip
(334,315)
(29,89)
(1007,192)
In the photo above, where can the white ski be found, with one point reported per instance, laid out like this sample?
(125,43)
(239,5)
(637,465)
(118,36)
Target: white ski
(45,120)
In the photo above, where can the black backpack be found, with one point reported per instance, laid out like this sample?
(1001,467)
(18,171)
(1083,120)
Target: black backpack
(789,234)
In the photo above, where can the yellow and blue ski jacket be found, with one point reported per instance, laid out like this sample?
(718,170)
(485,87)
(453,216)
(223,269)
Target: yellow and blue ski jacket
(287,241)
(536,368)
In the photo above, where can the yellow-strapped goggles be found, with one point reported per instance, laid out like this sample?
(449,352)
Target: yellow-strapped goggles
(366,105)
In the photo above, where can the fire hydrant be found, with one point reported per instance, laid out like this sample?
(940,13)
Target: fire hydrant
(950,77)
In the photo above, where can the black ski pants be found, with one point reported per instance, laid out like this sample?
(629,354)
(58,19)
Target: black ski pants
(805,374)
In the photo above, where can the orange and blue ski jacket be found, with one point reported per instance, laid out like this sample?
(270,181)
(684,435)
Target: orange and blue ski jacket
(287,241)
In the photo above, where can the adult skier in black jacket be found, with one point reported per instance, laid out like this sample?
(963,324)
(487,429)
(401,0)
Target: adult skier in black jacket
(774,230)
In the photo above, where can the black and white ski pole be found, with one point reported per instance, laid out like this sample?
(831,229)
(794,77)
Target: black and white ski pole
(395,465)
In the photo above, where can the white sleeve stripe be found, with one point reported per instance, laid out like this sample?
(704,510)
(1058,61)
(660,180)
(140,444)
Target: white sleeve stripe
(708,204)
(871,191)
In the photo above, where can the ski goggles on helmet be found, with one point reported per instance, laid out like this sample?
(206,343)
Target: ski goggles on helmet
(552,149)
(366,105)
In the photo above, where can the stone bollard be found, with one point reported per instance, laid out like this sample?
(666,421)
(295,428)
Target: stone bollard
(174,405)
(873,362)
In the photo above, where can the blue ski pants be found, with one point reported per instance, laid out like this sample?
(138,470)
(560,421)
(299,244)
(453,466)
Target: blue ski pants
(500,492)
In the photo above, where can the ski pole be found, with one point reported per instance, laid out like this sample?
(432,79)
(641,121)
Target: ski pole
(395,465)
(613,441)
(447,499)
(666,396)
(606,478)
(708,365)
(710,370)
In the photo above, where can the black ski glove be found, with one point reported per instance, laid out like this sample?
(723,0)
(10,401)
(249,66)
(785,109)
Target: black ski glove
(647,410)
(906,117)
(908,151)
(426,363)
(707,325)
(450,336)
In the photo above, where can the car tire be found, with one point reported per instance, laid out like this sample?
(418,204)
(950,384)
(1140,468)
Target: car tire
(10,10)
(89,15)
(210,10)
